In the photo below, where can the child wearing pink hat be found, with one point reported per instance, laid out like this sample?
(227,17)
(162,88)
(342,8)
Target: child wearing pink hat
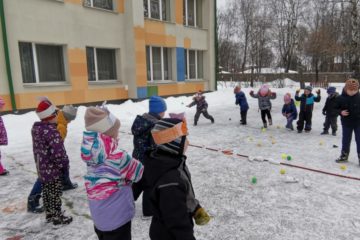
(289,111)
(264,96)
(3,138)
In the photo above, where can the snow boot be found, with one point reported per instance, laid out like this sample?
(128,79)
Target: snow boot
(343,157)
(270,121)
(359,158)
(195,123)
(265,125)
(324,133)
(59,219)
(69,186)
(33,204)
(4,173)
(212,120)
(333,133)
(299,131)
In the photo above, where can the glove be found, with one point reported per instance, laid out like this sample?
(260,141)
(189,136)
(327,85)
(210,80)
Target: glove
(251,92)
(324,113)
(201,217)
(318,92)
(298,91)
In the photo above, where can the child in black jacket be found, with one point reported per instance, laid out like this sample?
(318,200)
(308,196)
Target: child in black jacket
(330,112)
(201,107)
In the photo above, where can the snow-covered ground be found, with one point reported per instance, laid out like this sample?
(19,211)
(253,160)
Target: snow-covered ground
(318,207)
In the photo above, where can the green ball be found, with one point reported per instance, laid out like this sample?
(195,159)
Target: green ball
(289,158)
(254,180)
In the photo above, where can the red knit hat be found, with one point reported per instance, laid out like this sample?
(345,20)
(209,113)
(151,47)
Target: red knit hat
(46,110)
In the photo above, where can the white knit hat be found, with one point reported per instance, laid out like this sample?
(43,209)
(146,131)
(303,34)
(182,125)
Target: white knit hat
(100,120)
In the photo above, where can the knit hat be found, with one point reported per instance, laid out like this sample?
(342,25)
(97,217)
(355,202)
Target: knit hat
(331,90)
(169,134)
(264,90)
(45,109)
(99,119)
(180,116)
(157,105)
(2,102)
(69,112)
(287,98)
(352,84)
(236,89)
(309,88)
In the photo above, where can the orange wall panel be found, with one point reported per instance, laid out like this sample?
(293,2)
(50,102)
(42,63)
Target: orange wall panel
(179,8)
(79,2)
(121,6)
(179,88)
(154,27)
(187,43)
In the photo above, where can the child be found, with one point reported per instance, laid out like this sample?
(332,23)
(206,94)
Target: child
(242,102)
(289,111)
(51,161)
(330,112)
(141,129)
(306,108)
(201,107)
(173,196)
(65,116)
(348,105)
(264,96)
(3,138)
(110,173)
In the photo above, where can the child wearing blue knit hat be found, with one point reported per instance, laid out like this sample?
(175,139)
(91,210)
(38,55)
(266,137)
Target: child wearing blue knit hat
(143,143)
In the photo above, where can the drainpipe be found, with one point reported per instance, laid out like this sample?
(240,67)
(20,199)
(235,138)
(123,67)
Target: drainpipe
(7,57)
(216,46)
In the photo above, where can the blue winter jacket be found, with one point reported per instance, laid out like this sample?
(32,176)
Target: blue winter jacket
(290,108)
(241,101)
(307,102)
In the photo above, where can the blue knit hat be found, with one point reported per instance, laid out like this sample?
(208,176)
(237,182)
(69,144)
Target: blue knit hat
(157,105)
(331,90)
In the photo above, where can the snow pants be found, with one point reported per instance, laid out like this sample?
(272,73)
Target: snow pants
(347,136)
(265,113)
(243,115)
(330,121)
(52,192)
(121,233)
(304,119)
(203,112)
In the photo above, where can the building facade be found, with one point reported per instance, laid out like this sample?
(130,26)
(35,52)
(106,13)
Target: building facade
(84,51)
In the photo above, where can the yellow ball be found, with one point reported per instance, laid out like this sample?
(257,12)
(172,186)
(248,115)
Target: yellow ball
(282,171)
(343,167)
(259,144)
(263,129)
(273,142)
(278,126)
(283,156)
(321,143)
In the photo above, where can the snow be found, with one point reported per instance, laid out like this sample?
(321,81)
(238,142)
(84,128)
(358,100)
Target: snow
(270,70)
(296,205)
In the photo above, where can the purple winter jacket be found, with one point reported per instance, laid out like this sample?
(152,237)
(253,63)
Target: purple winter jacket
(49,151)
(3,135)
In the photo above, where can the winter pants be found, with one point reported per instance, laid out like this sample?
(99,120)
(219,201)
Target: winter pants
(142,187)
(121,233)
(330,122)
(304,119)
(37,188)
(205,113)
(52,192)
(243,115)
(2,169)
(265,113)
(347,136)
(289,123)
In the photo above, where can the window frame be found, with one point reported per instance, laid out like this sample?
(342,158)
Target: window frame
(36,65)
(97,80)
(186,20)
(152,80)
(187,62)
(161,17)
(92,6)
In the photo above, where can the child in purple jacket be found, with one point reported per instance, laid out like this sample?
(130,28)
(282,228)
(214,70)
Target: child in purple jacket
(51,161)
(3,139)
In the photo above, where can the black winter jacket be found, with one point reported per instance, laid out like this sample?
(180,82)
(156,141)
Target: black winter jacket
(352,104)
(330,106)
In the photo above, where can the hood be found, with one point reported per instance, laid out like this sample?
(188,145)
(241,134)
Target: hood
(333,95)
(97,147)
(61,118)
(159,162)
(144,123)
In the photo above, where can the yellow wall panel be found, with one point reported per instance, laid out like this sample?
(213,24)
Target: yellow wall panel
(79,2)
(121,6)
(187,43)
(77,55)
(179,8)
(179,88)
(7,100)
(154,27)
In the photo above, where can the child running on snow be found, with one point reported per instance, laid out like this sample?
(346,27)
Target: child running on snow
(51,161)
(173,196)
(110,174)
(242,102)
(143,142)
(348,105)
(264,97)
(3,138)
(201,107)
(306,108)
(289,111)
(330,112)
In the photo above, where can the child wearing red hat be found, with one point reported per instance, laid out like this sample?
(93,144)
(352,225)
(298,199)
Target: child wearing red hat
(3,138)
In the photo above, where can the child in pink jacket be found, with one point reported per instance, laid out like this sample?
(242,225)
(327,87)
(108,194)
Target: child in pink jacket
(3,138)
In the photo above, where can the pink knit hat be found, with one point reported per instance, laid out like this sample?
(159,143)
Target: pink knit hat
(2,102)
(99,119)
(264,90)
(287,98)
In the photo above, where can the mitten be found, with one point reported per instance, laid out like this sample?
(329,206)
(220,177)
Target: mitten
(201,217)
(298,91)
(318,92)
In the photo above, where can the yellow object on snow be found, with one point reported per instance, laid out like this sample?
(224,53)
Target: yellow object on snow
(62,124)
(201,217)
(282,171)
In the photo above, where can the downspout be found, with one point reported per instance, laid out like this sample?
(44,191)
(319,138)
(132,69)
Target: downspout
(7,57)
(216,46)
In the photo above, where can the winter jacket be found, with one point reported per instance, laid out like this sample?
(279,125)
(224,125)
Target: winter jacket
(3,134)
(330,108)
(141,129)
(172,196)
(241,101)
(307,102)
(290,109)
(62,124)
(264,101)
(352,104)
(200,103)
(110,173)
(49,151)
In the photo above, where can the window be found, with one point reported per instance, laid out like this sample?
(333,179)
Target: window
(194,68)
(104,4)
(158,63)
(192,12)
(41,63)
(101,64)
(157,9)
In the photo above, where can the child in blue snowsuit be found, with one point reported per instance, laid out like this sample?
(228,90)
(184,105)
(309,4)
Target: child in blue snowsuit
(242,102)
(289,111)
